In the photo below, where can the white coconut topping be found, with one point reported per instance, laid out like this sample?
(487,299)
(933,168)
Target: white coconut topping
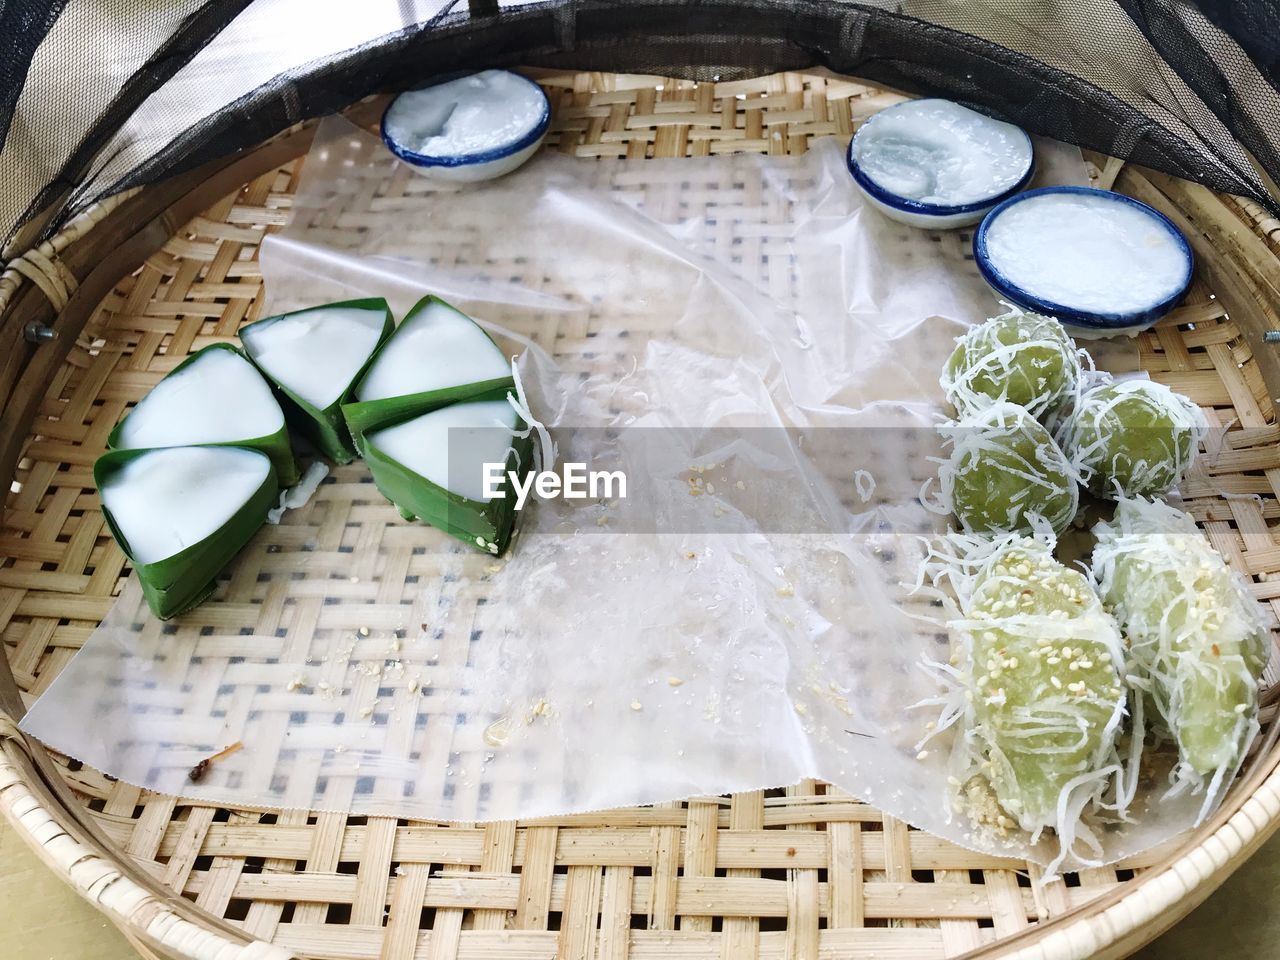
(316,353)
(472,115)
(168,500)
(450,446)
(436,348)
(1089,252)
(217,398)
(939,152)
(300,493)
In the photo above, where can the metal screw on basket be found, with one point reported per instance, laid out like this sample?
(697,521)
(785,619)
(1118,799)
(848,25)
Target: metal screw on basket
(1271,336)
(35,332)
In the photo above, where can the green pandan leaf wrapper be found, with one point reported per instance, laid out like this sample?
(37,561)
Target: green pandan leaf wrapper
(484,525)
(363,416)
(182,581)
(274,445)
(326,428)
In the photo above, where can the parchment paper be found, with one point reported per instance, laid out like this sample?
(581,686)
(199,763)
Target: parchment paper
(774,342)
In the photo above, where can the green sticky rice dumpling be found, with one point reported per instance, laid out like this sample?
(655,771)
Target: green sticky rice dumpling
(1022,358)
(1039,701)
(1006,475)
(1132,438)
(1198,641)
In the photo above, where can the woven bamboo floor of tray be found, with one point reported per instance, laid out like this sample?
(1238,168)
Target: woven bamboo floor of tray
(805,871)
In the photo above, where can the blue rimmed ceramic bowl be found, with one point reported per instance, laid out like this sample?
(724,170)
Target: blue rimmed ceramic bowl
(905,156)
(468,127)
(1100,262)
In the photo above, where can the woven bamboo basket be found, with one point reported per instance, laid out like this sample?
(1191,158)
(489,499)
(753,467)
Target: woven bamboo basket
(140,282)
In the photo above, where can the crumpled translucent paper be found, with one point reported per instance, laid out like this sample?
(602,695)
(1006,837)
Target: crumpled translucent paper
(376,666)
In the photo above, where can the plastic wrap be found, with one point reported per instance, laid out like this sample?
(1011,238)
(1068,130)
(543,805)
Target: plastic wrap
(776,343)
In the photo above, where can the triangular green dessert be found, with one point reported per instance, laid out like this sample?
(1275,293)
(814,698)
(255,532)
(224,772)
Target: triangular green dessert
(215,396)
(437,356)
(181,513)
(314,357)
(432,467)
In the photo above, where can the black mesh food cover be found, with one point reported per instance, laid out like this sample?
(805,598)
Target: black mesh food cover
(97,96)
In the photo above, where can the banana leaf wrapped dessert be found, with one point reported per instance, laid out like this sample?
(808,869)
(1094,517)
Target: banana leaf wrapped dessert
(1022,358)
(433,467)
(1198,642)
(1036,691)
(438,355)
(181,513)
(1132,438)
(436,404)
(215,396)
(1006,475)
(314,358)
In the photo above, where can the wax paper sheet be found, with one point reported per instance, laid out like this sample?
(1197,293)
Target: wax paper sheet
(758,350)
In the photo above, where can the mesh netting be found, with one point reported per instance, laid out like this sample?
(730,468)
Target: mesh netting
(98,97)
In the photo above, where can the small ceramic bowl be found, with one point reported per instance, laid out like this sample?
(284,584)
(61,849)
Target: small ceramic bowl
(927,214)
(471,165)
(1045,250)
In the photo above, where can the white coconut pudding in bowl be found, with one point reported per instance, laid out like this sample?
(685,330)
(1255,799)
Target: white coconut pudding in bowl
(1100,262)
(468,128)
(935,164)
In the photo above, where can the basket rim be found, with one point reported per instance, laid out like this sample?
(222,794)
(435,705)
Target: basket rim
(1248,816)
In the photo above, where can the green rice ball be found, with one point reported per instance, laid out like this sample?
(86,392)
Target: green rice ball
(1198,639)
(1022,358)
(1132,438)
(1006,475)
(1046,699)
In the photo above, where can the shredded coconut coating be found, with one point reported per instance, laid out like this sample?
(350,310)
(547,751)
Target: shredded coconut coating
(1133,438)
(1036,692)
(1018,357)
(1006,475)
(1198,641)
